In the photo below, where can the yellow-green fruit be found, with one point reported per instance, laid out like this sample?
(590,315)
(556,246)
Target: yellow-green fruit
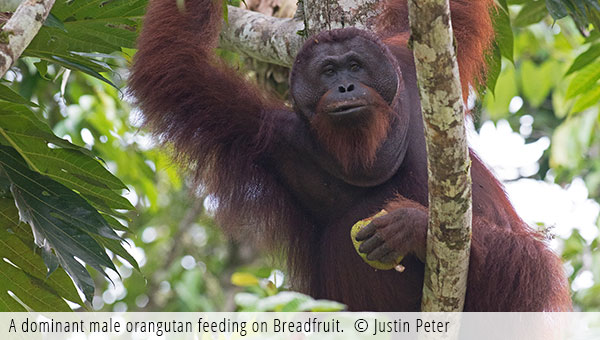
(375,264)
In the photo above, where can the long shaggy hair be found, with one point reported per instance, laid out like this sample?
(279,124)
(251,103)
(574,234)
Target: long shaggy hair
(354,145)
(472,27)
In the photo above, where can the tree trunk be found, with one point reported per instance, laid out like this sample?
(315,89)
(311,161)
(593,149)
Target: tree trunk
(450,214)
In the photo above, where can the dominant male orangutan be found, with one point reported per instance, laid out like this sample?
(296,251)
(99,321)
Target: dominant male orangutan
(353,144)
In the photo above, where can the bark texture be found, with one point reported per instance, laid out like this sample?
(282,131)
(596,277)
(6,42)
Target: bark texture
(277,40)
(322,15)
(20,30)
(450,211)
(262,37)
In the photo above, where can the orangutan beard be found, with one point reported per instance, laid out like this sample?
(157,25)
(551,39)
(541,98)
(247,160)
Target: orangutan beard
(354,145)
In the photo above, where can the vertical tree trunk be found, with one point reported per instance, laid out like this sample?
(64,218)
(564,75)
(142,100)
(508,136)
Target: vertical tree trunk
(450,214)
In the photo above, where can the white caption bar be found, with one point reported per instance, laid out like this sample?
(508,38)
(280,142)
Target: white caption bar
(286,326)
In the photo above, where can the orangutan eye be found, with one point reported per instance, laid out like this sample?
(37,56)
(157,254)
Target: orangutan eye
(329,71)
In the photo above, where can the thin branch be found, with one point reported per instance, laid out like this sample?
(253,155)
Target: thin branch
(450,214)
(20,29)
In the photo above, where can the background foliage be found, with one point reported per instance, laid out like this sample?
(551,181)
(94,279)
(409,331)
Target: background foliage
(82,185)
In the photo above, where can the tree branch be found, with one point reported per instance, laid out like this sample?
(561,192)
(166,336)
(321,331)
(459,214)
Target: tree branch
(262,37)
(450,214)
(277,41)
(20,29)
(322,15)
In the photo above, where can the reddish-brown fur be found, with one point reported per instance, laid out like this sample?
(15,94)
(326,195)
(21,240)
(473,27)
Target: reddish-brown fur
(243,147)
(357,145)
(472,27)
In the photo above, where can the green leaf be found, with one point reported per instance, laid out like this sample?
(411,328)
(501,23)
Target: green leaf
(583,12)
(494,63)
(531,13)
(4,187)
(584,80)
(68,164)
(42,67)
(556,8)
(594,13)
(25,117)
(574,245)
(593,4)
(97,25)
(585,58)
(504,33)
(80,67)
(114,223)
(20,253)
(69,11)
(117,248)
(9,220)
(32,291)
(571,139)
(506,88)
(79,274)
(8,304)
(60,218)
(7,94)
(16,246)
(52,198)
(87,26)
(52,21)
(538,80)
(587,100)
